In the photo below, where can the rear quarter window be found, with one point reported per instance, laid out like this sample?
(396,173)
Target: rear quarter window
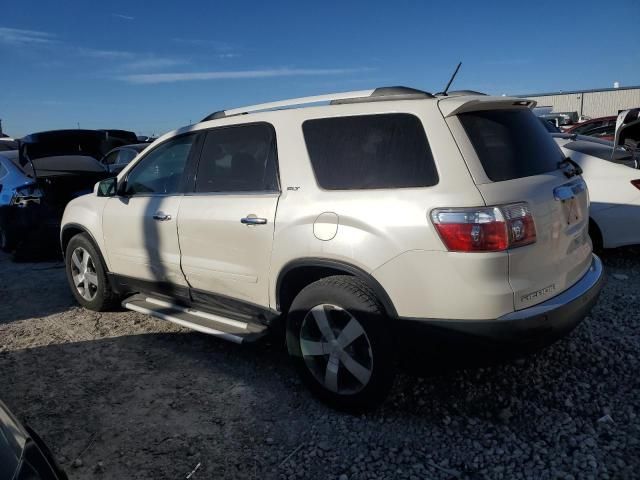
(511,143)
(370,152)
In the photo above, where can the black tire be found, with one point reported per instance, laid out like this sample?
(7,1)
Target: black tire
(101,296)
(342,299)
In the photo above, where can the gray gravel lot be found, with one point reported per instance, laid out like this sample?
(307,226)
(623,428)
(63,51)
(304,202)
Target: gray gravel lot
(121,395)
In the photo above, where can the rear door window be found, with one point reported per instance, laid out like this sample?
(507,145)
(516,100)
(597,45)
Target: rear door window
(370,151)
(511,143)
(239,158)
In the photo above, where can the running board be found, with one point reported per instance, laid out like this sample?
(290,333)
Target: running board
(204,322)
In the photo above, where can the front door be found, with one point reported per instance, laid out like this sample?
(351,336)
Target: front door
(226,225)
(140,225)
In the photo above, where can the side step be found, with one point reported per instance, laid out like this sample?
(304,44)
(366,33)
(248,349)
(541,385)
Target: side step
(225,328)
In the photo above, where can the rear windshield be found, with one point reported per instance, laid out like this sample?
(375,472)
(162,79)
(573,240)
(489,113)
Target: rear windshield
(370,151)
(511,143)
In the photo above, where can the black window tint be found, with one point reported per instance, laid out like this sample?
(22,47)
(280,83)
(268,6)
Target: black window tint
(241,158)
(370,151)
(111,158)
(160,171)
(586,127)
(511,143)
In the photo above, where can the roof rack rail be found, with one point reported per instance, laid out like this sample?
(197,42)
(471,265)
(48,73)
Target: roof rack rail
(459,93)
(372,95)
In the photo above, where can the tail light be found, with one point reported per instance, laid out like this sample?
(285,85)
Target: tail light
(25,195)
(636,183)
(485,229)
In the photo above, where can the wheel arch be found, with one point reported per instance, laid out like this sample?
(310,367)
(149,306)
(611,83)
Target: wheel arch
(297,274)
(70,230)
(596,234)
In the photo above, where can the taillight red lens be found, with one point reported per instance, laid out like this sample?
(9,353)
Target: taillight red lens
(636,183)
(485,229)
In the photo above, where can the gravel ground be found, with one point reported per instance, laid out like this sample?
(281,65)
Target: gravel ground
(120,395)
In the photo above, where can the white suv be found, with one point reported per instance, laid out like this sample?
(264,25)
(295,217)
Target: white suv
(357,224)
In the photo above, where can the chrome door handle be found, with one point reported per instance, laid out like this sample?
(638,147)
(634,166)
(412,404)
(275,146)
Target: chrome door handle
(162,217)
(250,220)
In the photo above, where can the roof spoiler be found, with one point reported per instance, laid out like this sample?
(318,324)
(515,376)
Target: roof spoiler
(450,106)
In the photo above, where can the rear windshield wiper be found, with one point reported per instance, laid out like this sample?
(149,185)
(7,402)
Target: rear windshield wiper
(576,170)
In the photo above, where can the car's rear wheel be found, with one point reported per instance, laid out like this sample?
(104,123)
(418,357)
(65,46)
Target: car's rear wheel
(87,275)
(337,335)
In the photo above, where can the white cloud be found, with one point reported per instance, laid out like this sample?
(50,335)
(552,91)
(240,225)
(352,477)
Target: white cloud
(98,53)
(152,63)
(148,78)
(123,17)
(19,36)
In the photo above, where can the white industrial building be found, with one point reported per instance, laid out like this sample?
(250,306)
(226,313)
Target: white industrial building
(601,102)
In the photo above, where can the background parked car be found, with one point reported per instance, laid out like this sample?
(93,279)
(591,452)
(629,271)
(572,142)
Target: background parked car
(7,144)
(13,182)
(614,188)
(118,158)
(23,454)
(595,123)
(60,165)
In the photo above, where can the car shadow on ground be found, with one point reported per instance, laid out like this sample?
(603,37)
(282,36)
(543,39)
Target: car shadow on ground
(155,405)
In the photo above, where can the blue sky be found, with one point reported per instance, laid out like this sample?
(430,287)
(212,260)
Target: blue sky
(152,67)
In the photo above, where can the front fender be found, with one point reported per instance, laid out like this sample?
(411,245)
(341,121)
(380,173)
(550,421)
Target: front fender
(85,214)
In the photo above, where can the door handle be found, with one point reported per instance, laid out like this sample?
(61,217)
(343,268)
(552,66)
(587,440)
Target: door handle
(253,220)
(161,216)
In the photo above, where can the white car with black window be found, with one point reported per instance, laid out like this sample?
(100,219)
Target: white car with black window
(378,222)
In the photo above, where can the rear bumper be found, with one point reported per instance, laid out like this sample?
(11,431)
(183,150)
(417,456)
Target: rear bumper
(532,327)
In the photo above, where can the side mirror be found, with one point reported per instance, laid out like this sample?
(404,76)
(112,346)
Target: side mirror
(107,187)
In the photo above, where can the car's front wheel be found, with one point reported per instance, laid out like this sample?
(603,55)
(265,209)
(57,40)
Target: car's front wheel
(87,275)
(337,335)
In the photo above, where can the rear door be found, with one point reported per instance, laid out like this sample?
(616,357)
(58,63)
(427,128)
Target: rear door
(226,223)
(513,159)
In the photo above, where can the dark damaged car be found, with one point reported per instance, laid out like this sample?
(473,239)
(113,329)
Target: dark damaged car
(23,454)
(58,166)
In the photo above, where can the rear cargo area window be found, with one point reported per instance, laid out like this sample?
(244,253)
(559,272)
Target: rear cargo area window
(370,151)
(511,143)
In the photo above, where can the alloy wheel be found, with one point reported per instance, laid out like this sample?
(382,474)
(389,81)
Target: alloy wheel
(83,272)
(336,349)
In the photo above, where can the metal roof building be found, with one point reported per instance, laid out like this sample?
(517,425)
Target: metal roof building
(595,103)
